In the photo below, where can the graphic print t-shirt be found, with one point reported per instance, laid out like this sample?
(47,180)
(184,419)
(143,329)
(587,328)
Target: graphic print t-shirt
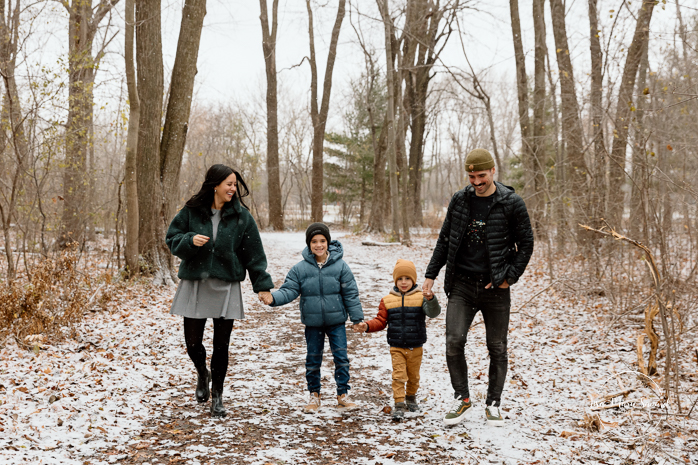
(472,255)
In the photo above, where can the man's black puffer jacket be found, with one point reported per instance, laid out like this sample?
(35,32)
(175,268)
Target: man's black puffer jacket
(508,236)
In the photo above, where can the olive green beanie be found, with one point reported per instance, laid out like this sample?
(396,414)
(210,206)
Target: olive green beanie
(479,160)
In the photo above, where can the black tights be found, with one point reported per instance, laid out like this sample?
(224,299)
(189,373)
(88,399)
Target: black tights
(194,335)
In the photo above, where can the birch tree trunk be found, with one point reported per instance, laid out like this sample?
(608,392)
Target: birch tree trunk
(276,212)
(319,116)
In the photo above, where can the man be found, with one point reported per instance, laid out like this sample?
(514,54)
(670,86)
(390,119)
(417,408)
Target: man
(485,242)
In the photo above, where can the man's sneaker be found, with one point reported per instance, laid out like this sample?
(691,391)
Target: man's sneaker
(343,403)
(494,416)
(399,411)
(458,412)
(412,404)
(314,404)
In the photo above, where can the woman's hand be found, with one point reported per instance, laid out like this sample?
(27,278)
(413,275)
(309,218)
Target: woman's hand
(199,240)
(266,298)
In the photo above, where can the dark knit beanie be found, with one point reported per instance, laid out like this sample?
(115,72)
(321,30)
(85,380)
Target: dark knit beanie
(315,229)
(479,160)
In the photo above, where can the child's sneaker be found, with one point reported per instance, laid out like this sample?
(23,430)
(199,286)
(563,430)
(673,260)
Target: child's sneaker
(314,404)
(457,412)
(412,404)
(399,411)
(343,403)
(494,416)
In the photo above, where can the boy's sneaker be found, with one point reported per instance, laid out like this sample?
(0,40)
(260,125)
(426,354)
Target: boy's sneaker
(412,404)
(494,416)
(399,411)
(458,412)
(343,403)
(314,404)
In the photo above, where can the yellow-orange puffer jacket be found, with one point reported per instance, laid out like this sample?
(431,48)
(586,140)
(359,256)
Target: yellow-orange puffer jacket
(405,315)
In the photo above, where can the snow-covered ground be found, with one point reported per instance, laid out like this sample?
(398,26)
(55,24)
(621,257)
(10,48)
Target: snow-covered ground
(123,392)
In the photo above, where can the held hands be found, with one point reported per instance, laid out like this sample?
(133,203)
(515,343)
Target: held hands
(426,288)
(199,240)
(359,327)
(266,298)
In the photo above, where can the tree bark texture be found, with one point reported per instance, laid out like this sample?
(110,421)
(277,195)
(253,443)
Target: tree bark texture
(384,7)
(522,91)
(11,128)
(174,134)
(130,164)
(376,220)
(319,115)
(571,124)
(538,161)
(276,212)
(82,27)
(638,188)
(597,199)
(418,56)
(150,85)
(624,111)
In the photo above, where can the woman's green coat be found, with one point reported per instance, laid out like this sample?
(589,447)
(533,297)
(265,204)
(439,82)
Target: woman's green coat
(237,250)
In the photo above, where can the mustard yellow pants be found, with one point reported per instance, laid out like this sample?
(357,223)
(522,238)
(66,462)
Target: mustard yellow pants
(406,364)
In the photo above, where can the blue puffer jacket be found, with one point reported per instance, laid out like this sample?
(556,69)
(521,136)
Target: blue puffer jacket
(328,294)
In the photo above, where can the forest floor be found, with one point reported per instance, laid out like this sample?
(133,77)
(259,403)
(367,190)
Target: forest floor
(123,390)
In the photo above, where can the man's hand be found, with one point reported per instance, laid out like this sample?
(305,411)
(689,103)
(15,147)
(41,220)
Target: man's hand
(199,240)
(504,285)
(359,327)
(266,298)
(426,288)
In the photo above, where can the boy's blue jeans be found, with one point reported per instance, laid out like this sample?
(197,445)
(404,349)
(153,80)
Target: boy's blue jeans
(315,342)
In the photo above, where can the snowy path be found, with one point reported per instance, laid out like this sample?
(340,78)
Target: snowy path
(124,392)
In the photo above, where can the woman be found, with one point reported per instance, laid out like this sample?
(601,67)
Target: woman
(218,242)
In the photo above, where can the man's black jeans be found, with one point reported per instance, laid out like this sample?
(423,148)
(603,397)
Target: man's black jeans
(468,296)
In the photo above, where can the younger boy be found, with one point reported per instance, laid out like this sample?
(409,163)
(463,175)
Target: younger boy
(403,311)
(328,295)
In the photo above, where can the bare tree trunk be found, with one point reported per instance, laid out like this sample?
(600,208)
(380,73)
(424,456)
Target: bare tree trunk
(130,164)
(276,212)
(597,199)
(174,134)
(384,7)
(82,65)
(571,124)
(376,221)
(639,160)
(558,206)
(624,112)
(319,117)
(538,160)
(522,91)
(150,193)
(420,40)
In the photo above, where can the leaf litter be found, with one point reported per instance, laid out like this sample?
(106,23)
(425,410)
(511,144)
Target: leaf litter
(122,391)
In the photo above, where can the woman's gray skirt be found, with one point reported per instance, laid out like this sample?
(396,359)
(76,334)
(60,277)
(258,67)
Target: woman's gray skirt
(208,298)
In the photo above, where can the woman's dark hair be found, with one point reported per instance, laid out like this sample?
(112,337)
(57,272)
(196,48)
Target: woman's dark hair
(215,175)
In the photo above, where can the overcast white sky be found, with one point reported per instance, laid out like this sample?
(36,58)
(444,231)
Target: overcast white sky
(231,65)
